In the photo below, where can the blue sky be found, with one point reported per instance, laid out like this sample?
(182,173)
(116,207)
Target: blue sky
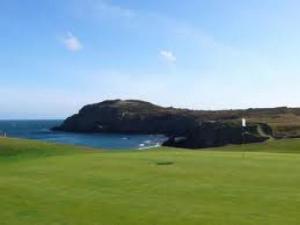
(57,56)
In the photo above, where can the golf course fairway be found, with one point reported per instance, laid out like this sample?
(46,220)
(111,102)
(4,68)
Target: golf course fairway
(51,184)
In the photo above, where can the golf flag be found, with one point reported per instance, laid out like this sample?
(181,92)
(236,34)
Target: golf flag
(244,122)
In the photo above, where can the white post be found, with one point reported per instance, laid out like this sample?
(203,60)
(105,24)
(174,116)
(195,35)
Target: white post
(244,122)
(244,125)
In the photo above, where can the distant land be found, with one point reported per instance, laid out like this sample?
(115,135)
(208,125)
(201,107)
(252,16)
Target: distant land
(185,128)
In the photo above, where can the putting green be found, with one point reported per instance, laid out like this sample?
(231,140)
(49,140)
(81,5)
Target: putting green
(43,184)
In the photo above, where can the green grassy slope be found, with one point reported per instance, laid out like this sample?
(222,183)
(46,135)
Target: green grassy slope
(11,149)
(43,184)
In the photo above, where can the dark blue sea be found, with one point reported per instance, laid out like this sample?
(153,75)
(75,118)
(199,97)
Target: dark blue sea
(40,130)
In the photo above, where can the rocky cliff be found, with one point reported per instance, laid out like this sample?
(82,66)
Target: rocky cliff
(131,116)
(214,134)
(185,128)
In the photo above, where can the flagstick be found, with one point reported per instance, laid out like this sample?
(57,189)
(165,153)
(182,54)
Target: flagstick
(244,125)
(243,143)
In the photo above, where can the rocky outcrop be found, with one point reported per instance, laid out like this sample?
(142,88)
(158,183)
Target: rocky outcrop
(214,134)
(185,128)
(131,116)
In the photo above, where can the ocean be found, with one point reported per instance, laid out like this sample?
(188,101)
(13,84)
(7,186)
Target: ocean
(40,130)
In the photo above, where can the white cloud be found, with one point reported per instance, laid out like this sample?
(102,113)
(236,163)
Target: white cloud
(168,56)
(72,43)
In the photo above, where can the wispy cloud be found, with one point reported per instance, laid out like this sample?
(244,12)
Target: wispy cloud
(72,43)
(103,9)
(168,56)
(177,32)
(108,9)
(157,24)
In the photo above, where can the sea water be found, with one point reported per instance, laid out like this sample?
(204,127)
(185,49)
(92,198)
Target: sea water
(41,130)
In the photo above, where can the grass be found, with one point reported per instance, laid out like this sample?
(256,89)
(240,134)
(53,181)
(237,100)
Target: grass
(49,184)
(283,125)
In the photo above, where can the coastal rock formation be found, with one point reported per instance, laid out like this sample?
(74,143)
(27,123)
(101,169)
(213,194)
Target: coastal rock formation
(131,116)
(214,134)
(185,128)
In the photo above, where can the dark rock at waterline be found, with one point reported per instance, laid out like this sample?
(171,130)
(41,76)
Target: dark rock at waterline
(214,134)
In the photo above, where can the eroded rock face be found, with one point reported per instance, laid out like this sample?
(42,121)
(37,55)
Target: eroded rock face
(214,134)
(186,128)
(129,116)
